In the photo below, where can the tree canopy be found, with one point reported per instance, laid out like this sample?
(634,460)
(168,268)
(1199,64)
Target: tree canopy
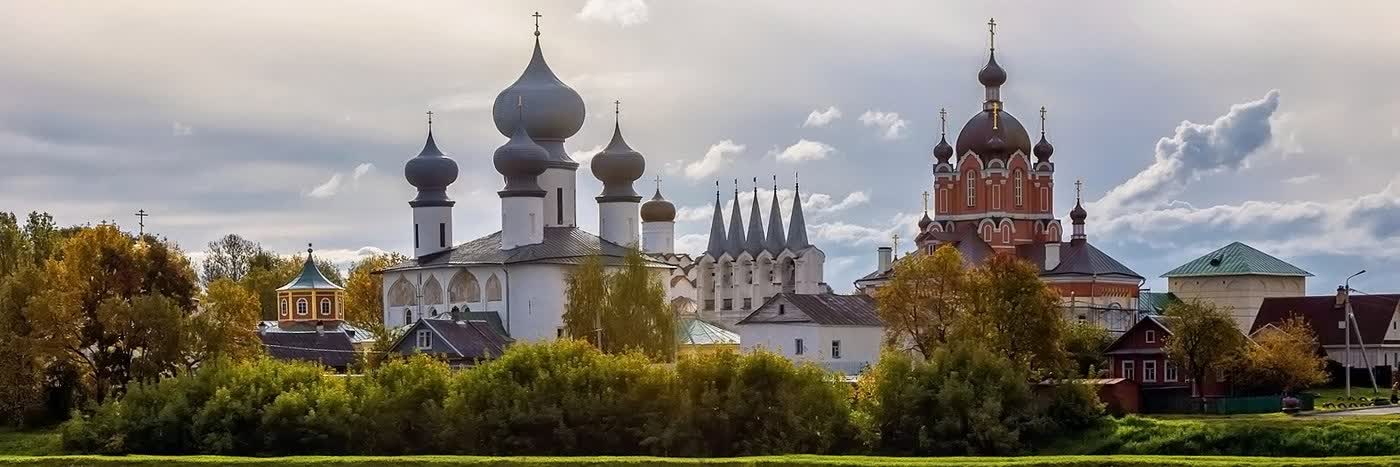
(1284,356)
(626,310)
(1204,339)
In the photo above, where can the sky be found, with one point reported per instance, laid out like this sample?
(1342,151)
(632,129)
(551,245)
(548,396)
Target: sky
(1191,124)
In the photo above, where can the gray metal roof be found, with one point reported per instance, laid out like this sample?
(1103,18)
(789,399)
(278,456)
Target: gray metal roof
(735,237)
(775,238)
(561,245)
(695,331)
(717,240)
(825,308)
(755,240)
(797,226)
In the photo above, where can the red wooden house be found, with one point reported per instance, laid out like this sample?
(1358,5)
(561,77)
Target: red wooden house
(1140,355)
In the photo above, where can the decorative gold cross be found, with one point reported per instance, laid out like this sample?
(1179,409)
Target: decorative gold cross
(925,200)
(996,113)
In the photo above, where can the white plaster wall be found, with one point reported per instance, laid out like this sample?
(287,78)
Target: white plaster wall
(617,222)
(535,293)
(659,237)
(427,218)
(860,345)
(520,221)
(551,181)
(394,315)
(1239,295)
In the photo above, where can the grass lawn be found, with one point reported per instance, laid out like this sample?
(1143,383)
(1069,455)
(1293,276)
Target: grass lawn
(29,443)
(172,461)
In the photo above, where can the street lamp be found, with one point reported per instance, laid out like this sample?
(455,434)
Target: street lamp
(1349,320)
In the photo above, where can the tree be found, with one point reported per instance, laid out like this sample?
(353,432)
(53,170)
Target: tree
(1285,356)
(229,257)
(364,290)
(225,325)
(1203,340)
(924,304)
(626,310)
(1085,344)
(21,365)
(1017,314)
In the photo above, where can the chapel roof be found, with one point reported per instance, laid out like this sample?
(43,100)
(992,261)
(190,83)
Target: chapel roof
(561,245)
(310,277)
(826,309)
(1236,259)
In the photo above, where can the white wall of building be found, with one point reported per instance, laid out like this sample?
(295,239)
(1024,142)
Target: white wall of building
(860,345)
(520,221)
(556,182)
(659,237)
(617,222)
(431,221)
(1240,296)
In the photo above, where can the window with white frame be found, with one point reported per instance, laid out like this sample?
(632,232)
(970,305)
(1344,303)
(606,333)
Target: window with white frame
(1126,371)
(302,306)
(1149,371)
(798,347)
(971,189)
(835,349)
(1169,372)
(1151,336)
(1020,189)
(425,339)
(325,307)
(282,307)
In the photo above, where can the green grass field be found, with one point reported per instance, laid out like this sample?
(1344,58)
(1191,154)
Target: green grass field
(166,461)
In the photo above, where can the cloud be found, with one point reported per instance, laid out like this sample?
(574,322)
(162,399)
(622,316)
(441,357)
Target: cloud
(1196,150)
(621,12)
(180,129)
(361,170)
(714,159)
(584,156)
(804,150)
(822,202)
(327,189)
(1301,179)
(889,123)
(821,118)
(812,204)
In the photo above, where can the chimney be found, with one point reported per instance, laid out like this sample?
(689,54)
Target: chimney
(886,256)
(456,314)
(1052,255)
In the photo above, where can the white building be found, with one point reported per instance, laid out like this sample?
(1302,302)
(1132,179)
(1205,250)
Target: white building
(840,332)
(1237,278)
(520,271)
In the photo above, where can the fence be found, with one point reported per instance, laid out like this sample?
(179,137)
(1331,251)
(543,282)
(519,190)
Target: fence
(1176,402)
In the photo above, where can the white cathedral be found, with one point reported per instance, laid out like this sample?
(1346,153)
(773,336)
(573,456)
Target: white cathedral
(519,273)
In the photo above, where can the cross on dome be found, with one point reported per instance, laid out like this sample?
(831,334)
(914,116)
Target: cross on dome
(537,16)
(996,113)
(943,115)
(992,30)
(1042,121)
(1078,189)
(925,200)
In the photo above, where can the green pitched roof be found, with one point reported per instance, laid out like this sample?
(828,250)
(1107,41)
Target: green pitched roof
(310,277)
(694,331)
(1155,303)
(1236,259)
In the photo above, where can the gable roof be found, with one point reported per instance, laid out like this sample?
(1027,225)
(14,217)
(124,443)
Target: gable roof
(695,331)
(1077,258)
(469,340)
(330,348)
(826,309)
(1162,322)
(1373,314)
(561,245)
(1236,259)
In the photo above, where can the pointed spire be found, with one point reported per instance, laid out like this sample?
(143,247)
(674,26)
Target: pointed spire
(773,242)
(754,242)
(736,226)
(717,240)
(992,75)
(1043,149)
(1078,214)
(797,227)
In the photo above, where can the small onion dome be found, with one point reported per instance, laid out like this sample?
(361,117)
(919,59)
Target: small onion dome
(992,75)
(431,172)
(1043,149)
(1078,214)
(658,209)
(521,161)
(617,166)
(943,151)
(556,111)
(978,132)
(925,222)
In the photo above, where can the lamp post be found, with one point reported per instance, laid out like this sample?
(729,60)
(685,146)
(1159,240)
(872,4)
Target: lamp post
(1349,322)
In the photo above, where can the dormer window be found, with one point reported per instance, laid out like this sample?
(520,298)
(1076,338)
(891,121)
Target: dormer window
(1151,336)
(425,339)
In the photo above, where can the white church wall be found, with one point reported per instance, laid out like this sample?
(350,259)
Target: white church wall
(617,222)
(659,237)
(535,293)
(860,345)
(433,227)
(559,182)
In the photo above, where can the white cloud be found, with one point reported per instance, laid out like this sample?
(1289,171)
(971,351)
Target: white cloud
(804,150)
(180,129)
(822,202)
(466,101)
(692,243)
(584,156)
(714,159)
(621,12)
(1196,150)
(361,170)
(1301,179)
(327,189)
(889,123)
(821,118)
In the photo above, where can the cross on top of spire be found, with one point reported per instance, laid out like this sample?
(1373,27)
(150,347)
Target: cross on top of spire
(925,200)
(1042,120)
(617,109)
(308,248)
(943,115)
(537,16)
(991,29)
(996,113)
(1078,189)
(430,120)
(658,183)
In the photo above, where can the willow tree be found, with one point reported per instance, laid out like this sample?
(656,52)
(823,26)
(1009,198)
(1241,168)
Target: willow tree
(621,311)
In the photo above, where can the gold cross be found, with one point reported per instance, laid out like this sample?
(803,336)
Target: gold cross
(996,112)
(992,28)
(537,23)
(925,201)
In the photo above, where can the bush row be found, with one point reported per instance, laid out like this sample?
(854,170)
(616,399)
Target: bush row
(1273,438)
(566,398)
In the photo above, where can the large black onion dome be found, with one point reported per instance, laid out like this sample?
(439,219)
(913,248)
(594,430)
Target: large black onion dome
(992,75)
(1043,149)
(978,132)
(943,151)
(521,161)
(658,209)
(617,166)
(430,172)
(556,111)
(1078,214)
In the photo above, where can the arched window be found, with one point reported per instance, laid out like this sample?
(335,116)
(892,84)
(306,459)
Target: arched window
(943,200)
(463,288)
(401,293)
(302,306)
(1044,199)
(325,307)
(432,291)
(971,189)
(407,316)
(493,289)
(282,307)
(987,232)
(1006,233)
(1020,189)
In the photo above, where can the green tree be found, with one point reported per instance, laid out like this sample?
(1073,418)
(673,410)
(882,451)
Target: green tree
(230,257)
(925,303)
(1018,315)
(21,364)
(1203,341)
(225,326)
(1284,357)
(626,309)
(364,290)
(1085,343)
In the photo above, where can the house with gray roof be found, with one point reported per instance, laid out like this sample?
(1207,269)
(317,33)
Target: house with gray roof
(840,332)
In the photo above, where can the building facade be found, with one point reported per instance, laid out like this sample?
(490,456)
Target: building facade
(1237,278)
(839,332)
